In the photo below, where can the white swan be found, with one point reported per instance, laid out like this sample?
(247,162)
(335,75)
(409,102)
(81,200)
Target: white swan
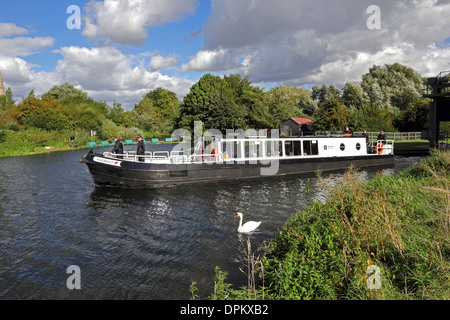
(248,226)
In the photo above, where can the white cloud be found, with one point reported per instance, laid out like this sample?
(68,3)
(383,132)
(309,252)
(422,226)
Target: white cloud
(10,29)
(322,41)
(108,74)
(104,73)
(18,73)
(211,60)
(159,62)
(126,22)
(12,45)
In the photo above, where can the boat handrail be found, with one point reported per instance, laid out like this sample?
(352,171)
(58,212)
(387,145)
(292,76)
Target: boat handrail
(385,146)
(205,157)
(161,155)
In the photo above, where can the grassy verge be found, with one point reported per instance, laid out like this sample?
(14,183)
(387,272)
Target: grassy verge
(387,238)
(411,145)
(34,141)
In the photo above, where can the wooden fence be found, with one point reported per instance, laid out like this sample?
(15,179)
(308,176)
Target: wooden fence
(394,135)
(389,135)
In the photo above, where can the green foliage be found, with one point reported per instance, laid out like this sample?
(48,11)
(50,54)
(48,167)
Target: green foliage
(399,223)
(66,92)
(158,111)
(333,116)
(393,86)
(415,117)
(283,103)
(45,113)
(388,98)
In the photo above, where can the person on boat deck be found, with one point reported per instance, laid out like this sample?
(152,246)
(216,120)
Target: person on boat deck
(382,137)
(118,147)
(364,134)
(347,132)
(140,148)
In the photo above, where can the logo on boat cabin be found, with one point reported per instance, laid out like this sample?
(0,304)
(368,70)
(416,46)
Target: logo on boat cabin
(111,162)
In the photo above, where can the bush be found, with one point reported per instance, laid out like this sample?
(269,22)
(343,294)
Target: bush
(398,224)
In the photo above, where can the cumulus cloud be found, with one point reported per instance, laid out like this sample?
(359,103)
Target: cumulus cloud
(104,73)
(301,41)
(108,74)
(12,43)
(10,29)
(17,73)
(126,22)
(158,62)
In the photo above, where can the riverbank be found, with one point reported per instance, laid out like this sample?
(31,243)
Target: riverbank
(37,141)
(388,238)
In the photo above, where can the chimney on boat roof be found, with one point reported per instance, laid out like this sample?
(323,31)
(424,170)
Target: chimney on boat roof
(2,87)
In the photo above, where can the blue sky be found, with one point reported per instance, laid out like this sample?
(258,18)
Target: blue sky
(126,48)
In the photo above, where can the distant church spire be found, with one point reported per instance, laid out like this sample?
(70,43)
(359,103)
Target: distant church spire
(2,87)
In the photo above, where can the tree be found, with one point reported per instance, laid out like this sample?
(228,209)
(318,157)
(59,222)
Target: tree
(66,91)
(160,108)
(308,105)
(332,116)
(257,110)
(45,113)
(283,103)
(353,96)
(415,117)
(196,102)
(223,113)
(7,100)
(325,93)
(394,86)
(116,114)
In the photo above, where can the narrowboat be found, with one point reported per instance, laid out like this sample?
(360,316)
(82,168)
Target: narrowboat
(236,158)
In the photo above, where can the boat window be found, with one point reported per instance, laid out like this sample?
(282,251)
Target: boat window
(231,149)
(358,146)
(288,148)
(272,148)
(310,147)
(253,149)
(293,148)
(342,146)
(297,148)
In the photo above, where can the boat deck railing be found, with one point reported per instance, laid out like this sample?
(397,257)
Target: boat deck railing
(177,157)
(381,147)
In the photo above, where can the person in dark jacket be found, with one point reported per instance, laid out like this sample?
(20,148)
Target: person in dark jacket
(140,148)
(365,135)
(382,137)
(118,147)
(347,132)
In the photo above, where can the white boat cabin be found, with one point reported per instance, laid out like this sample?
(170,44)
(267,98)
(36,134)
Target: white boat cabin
(262,148)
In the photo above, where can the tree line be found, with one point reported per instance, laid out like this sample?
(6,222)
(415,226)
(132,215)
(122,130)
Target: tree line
(388,98)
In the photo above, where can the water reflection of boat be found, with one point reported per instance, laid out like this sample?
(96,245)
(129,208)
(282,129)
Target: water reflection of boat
(237,158)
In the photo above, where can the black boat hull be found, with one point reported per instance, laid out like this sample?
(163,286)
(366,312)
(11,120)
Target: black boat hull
(153,175)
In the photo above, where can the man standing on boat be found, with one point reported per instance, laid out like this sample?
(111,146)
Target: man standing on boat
(365,135)
(382,137)
(118,147)
(347,132)
(140,148)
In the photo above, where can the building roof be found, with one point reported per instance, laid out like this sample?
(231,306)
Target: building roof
(301,121)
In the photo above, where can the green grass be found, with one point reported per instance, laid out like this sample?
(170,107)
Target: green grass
(34,141)
(398,223)
(411,144)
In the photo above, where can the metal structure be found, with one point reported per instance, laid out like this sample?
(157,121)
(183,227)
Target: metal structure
(438,90)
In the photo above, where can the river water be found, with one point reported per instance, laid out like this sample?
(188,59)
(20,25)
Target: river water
(132,244)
